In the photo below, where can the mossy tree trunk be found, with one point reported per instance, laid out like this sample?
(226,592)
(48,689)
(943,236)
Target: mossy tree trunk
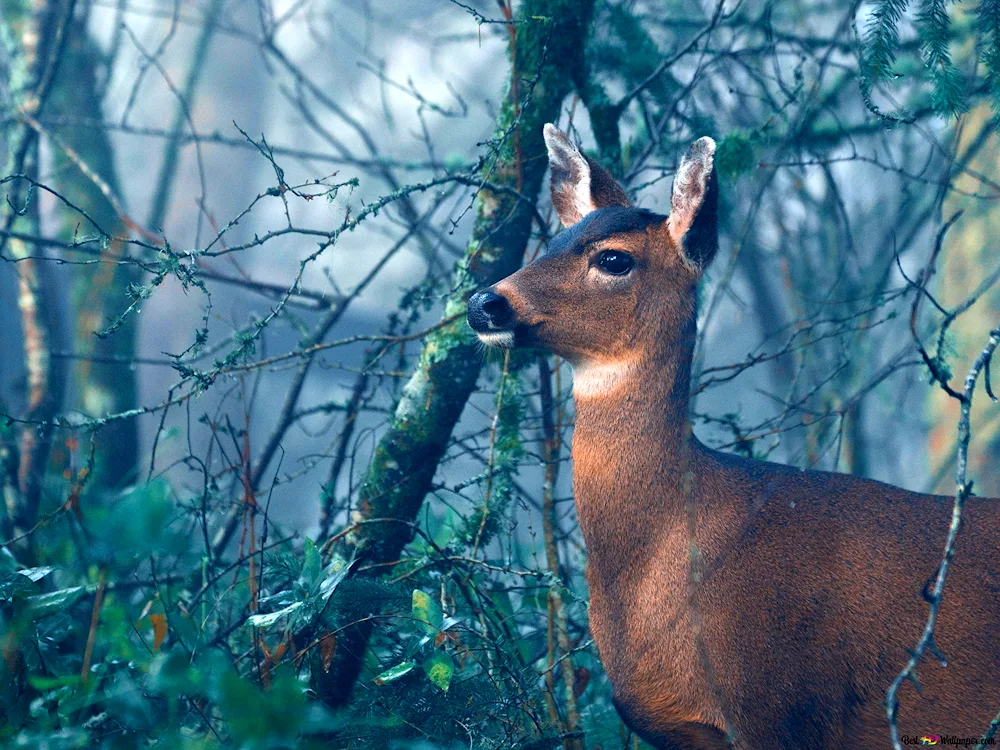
(550,36)
(32,36)
(104,382)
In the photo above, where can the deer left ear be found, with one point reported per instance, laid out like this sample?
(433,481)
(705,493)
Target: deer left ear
(693,223)
(579,184)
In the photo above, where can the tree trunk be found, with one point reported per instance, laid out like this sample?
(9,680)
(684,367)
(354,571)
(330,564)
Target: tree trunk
(104,382)
(34,38)
(550,36)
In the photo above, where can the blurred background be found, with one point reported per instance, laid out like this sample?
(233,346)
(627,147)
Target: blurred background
(237,242)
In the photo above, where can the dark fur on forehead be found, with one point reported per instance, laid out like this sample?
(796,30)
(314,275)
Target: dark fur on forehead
(601,224)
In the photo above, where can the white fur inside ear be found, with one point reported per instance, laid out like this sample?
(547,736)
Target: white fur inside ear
(570,174)
(690,184)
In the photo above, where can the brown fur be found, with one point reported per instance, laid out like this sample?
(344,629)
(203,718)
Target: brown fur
(740,603)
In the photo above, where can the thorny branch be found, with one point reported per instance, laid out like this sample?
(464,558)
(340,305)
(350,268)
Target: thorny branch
(963,492)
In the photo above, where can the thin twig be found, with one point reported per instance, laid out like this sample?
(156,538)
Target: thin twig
(964,490)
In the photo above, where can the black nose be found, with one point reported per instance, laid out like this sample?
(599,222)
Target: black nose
(489,311)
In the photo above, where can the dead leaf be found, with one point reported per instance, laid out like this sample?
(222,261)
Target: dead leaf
(159,622)
(327,647)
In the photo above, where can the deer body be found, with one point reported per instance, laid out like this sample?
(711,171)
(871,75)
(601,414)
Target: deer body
(735,603)
(789,617)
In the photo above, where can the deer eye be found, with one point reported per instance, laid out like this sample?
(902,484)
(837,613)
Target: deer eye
(615,262)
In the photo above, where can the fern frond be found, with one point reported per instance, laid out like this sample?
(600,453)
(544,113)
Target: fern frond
(878,52)
(933,28)
(988,20)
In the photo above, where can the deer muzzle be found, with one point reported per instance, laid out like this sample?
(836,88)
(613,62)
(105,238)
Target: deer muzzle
(492,318)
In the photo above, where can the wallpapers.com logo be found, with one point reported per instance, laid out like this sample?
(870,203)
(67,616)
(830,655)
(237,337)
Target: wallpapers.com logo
(927,740)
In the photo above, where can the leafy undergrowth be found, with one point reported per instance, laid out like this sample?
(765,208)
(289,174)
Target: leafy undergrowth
(124,634)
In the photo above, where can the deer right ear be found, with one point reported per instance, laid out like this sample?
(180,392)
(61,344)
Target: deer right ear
(693,222)
(579,185)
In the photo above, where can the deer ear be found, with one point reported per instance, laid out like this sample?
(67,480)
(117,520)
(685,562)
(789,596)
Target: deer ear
(693,223)
(579,185)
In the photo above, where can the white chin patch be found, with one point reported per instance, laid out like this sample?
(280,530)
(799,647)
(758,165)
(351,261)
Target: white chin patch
(601,379)
(502,339)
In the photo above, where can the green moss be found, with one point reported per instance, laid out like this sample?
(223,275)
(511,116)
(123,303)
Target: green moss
(735,156)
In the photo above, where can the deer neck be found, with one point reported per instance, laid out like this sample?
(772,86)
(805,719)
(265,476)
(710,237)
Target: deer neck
(632,453)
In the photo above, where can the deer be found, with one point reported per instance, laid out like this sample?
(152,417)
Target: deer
(734,602)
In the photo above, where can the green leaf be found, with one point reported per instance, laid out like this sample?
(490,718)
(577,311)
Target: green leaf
(268,620)
(16,586)
(312,567)
(261,719)
(47,604)
(393,674)
(51,683)
(426,611)
(501,600)
(439,669)
(138,523)
(35,574)
(336,572)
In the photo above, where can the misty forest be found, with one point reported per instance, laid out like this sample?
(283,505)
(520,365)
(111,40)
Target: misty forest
(263,486)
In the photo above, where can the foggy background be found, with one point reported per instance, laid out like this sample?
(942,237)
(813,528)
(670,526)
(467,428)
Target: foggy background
(362,56)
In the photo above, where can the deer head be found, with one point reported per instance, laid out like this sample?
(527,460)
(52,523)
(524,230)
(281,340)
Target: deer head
(617,286)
